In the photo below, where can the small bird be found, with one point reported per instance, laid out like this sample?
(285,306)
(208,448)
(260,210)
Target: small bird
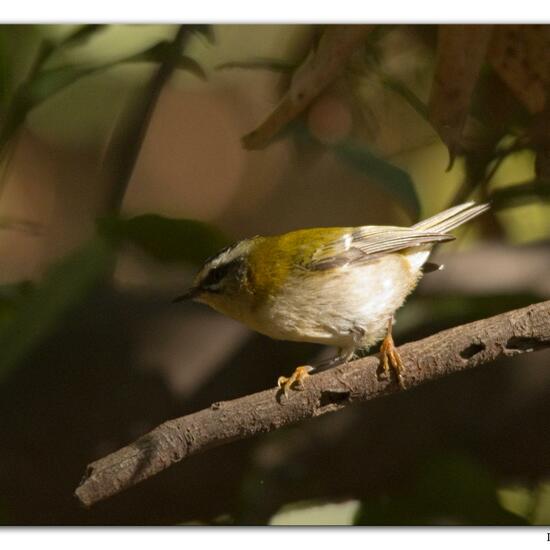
(338,286)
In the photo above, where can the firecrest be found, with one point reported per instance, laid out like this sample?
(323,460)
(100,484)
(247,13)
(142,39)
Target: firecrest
(338,286)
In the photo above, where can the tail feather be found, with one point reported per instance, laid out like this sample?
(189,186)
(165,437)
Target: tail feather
(453,217)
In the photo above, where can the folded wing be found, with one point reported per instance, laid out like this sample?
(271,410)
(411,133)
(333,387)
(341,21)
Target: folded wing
(367,243)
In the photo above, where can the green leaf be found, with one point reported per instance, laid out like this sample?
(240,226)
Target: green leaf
(206,31)
(81,35)
(188,64)
(518,499)
(528,501)
(48,82)
(392,179)
(316,513)
(38,311)
(156,53)
(167,239)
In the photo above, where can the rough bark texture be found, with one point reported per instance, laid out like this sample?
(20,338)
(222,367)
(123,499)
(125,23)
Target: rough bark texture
(519,331)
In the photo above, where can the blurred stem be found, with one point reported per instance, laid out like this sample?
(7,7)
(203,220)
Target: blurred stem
(406,93)
(470,182)
(128,138)
(498,156)
(520,193)
(477,172)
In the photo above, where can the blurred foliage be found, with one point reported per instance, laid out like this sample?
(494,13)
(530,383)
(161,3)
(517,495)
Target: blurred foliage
(520,194)
(395,181)
(530,502)
(166,239)
(43,81)
(316,513)
(28,314)
(449,490)
(31,315)
(392,179)
(40,83)
(495,99)
(80,35)
(10,295)
(442,488)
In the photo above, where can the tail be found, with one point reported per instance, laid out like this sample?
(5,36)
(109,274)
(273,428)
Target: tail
(453,217)
(443,223)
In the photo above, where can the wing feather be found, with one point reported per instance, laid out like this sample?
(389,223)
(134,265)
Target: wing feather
(367,243)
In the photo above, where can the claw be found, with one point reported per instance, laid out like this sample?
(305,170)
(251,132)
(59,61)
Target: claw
(391,358)
(296,379)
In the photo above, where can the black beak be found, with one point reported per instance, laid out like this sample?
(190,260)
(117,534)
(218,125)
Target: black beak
(189,295)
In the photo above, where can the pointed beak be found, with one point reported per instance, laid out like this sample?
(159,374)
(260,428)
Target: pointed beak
(189,295)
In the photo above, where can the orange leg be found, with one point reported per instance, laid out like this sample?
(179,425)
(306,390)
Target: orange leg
(390,356)
(296,379)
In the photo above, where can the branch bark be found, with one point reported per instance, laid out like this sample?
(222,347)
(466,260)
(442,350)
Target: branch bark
(467,346)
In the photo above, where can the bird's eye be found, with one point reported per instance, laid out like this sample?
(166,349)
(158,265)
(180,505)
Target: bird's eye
(215,276)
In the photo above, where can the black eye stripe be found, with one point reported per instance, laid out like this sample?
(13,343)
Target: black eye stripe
(217,274)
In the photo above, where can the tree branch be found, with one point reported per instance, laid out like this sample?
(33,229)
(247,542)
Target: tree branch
(471,345)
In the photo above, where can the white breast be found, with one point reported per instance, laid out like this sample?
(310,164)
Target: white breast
(349,307)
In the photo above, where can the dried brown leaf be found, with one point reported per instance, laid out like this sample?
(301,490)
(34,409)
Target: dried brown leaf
(461,51)
(321,67)
(520,54)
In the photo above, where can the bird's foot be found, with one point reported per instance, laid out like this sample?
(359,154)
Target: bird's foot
(391,359)
(296,379)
